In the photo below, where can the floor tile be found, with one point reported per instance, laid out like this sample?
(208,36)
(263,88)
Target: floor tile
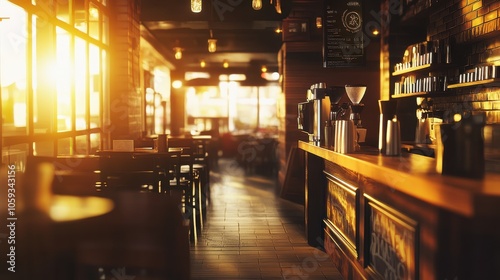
(250,233)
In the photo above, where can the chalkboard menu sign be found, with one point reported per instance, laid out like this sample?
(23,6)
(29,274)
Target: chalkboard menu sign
(392,243)
(343,34)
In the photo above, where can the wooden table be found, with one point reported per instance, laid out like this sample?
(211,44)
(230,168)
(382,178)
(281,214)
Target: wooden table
(113,231)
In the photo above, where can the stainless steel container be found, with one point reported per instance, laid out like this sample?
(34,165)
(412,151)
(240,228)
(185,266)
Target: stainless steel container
(345,135)
(393,138)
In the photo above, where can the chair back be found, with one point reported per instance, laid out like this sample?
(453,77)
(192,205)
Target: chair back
(129,170)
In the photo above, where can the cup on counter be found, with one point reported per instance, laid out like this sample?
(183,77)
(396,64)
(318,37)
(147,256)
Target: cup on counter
(162,143)
(329,135)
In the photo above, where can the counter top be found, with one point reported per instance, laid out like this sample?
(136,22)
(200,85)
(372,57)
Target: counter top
(416,175)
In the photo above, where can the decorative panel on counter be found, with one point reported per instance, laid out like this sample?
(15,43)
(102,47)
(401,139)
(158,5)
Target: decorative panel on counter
(391,242)
(342,204)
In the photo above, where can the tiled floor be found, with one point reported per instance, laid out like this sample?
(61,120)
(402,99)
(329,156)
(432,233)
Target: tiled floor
(250,233)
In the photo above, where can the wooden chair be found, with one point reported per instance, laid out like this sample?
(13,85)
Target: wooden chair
(179,186)
(73,174)
(129,171)
(201,163)
(145,235)
(192,175)
(76,175)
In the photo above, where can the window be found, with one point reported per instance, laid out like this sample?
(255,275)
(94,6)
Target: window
(53,76)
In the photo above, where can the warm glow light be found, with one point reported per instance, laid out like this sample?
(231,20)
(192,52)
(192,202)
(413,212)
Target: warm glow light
(236,77)
(275,76)
(257,4)
(225,64)
(203,63)
(177,84)
(178,53)
(271,76)
(212,45)
(319,22)
(196,6)
(263,69)
(278,30)
(375,32)
(93,13)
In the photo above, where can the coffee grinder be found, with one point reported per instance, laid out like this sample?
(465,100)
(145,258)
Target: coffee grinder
(355,94)
(335,93)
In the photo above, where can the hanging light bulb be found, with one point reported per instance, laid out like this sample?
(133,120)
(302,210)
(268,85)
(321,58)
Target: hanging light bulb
(212,43)
(257,4)
(177,53)
(196,6)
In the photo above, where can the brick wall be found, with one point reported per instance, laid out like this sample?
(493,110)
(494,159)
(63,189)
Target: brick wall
(126,96)
(474,28)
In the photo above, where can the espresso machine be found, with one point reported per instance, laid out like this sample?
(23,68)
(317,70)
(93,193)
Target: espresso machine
(313,114)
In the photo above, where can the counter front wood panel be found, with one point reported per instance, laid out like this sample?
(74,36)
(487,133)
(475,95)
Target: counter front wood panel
(391,242)
(342,202)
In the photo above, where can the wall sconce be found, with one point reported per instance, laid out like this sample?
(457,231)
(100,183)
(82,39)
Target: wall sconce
(196,6)
(225,64)
(178,52)
(257,4)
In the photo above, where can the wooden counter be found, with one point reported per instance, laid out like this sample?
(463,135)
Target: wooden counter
(385,217)
(416,176)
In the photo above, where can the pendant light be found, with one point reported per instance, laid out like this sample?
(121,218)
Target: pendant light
(257,4)
(212,43)
(178,53)
(196,6)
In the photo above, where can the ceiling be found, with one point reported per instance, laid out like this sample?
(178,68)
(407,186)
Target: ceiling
(246,38)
